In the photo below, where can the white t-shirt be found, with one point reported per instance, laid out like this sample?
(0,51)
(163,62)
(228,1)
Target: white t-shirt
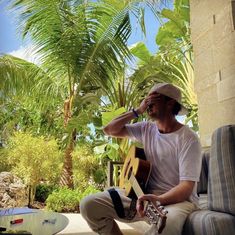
(174,156)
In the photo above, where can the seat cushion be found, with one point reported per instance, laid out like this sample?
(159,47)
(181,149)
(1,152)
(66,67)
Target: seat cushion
(221,184)
(203,201)
(205,222)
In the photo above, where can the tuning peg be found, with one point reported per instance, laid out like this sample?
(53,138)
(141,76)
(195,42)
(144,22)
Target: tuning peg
(154,210)
(165,211)
(147,214)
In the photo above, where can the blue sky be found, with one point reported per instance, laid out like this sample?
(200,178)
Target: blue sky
(10,40)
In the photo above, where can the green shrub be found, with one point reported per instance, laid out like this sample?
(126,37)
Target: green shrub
(67,200)
(86,167)
(43,191)
(34,159)
(99,176)
(4,166)
(89,190)
(63,200)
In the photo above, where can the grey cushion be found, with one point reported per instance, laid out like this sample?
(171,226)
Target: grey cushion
(221,184)
(207,222)
(203,201)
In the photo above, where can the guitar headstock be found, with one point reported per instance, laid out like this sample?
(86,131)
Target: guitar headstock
(156,215)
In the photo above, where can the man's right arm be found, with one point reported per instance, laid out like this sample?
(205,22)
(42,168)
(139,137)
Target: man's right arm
(117,127)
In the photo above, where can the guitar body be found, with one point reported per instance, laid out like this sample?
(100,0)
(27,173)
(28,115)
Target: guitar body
(135,164)
(134,178)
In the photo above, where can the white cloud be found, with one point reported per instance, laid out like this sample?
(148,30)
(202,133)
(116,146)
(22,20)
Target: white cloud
(27,53)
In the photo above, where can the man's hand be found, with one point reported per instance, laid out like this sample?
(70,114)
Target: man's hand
(148,101)
(140,203)
(143,106)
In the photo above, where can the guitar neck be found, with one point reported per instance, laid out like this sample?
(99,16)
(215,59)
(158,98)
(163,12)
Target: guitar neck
(135,185)
(137,189)
(155,213)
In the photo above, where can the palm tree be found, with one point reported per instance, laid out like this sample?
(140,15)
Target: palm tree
(82,44)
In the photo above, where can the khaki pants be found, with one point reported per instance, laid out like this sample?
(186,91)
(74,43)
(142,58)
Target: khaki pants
(99,212)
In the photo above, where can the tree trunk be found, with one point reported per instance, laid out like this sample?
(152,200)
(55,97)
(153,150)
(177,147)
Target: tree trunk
(31,196)
(67,172)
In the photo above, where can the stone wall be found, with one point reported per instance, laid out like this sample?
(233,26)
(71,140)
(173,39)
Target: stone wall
(13,193)
(213,38)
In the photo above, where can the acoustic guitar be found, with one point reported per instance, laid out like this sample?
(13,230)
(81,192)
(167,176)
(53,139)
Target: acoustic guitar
(134,178)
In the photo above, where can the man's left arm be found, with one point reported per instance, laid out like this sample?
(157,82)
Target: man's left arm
(179,193)
(189,171)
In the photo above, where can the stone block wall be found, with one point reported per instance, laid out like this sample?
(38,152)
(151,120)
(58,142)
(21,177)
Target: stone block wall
(13,193)
(213,38)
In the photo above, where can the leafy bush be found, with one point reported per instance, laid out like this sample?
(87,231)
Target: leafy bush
(89,190)
(86,167)
(63,200)
(43,191)
(67,200)
(99,176)
(34,159)
(4,166)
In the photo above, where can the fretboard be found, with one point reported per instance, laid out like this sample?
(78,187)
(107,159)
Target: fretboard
(135,185)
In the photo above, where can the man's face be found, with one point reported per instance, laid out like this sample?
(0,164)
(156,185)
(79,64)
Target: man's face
(157,105)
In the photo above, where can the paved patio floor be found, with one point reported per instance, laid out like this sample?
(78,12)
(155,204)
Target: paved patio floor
(78,226)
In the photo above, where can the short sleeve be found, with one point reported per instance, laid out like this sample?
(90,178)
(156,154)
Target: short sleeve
(135,131)
(190,161)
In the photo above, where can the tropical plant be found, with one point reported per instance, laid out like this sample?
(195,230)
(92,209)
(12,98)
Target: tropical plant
(177,54)
(173,62)
(124,94)
(82,45)
(86,167)
(63,200)
(67,200)
(43,191)
(23,105)
(5,166)
(26,153)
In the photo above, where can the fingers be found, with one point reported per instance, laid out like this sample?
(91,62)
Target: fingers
(143,106)
(140,206)
(152,99)
(148,102)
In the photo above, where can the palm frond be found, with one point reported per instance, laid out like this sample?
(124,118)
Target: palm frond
(23,79)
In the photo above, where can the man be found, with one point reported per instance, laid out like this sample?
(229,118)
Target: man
(175,153)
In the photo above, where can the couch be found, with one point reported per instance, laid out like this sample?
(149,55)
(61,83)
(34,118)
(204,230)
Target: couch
(216,188)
